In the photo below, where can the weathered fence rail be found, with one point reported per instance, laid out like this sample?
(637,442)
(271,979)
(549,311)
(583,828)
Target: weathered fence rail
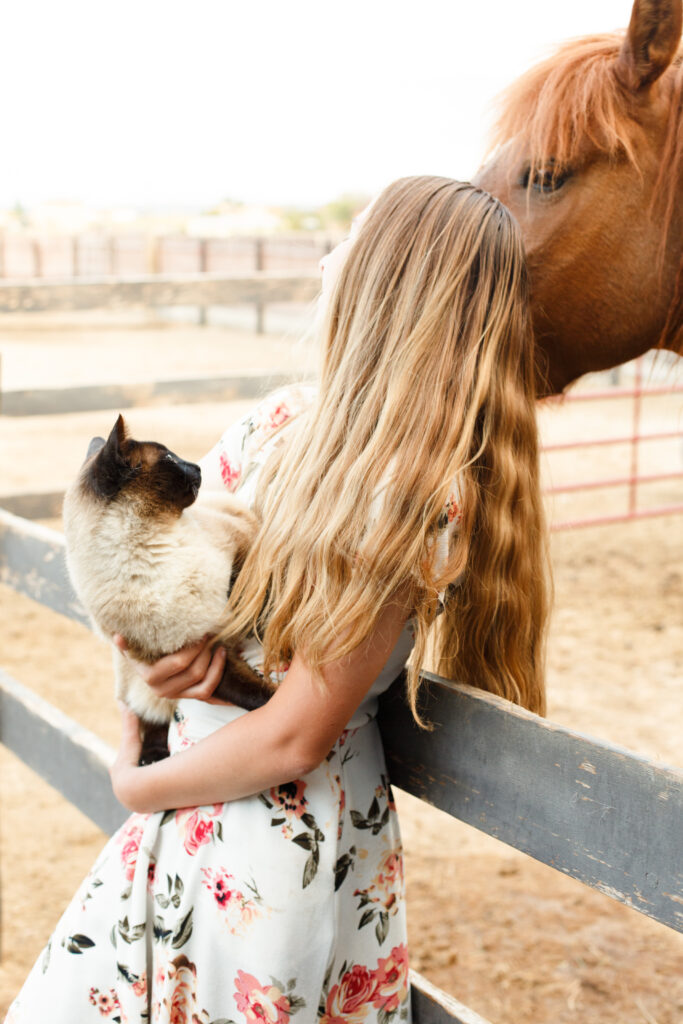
(58,295)
(94,254)
(600,814)
(93,397)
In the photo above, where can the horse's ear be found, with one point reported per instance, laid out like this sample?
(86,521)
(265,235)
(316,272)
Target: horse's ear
(651,42)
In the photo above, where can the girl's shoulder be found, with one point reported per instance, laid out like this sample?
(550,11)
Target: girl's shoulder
(246,444)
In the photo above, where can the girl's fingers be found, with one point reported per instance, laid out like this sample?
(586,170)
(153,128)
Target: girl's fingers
(193,674)
(175,671)
(193,671)
(204,688)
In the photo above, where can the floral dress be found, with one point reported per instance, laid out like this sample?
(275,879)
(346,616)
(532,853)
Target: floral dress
(286,904)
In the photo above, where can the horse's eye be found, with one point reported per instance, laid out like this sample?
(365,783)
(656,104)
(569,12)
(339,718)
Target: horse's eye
(546,179)
(170,457)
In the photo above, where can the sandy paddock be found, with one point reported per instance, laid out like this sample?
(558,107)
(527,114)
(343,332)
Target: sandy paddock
(509,937)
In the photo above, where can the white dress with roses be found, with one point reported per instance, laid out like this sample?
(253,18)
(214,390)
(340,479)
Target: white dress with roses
(285,904)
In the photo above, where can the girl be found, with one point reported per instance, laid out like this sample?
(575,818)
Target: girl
(399,506)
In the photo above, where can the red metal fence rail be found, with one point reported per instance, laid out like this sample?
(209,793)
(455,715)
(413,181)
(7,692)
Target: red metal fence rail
(634,479)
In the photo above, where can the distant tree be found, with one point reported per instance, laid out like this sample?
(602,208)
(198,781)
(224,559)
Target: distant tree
(20,213)
(340,212)
(335,216)
(295,218)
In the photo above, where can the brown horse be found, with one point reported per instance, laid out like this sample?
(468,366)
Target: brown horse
(589,158)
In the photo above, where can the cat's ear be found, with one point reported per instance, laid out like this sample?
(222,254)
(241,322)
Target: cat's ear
(95,444)
(116,438)
(110,469)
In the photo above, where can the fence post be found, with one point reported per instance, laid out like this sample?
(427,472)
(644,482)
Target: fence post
(37,258)
(203,268)
(3,261)
(154,255)
(259,264)
(154,261)
(637,401)
(75,269)
(112,255)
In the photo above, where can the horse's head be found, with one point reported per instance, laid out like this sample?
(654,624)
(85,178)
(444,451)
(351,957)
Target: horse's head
(589,158)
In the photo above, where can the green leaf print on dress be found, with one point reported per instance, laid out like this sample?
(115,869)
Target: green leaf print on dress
(289,804)
(380,899)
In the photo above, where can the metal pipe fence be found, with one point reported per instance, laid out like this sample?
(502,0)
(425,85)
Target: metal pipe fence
(634,479)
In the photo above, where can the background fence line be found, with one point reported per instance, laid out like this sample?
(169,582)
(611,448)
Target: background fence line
(97,254)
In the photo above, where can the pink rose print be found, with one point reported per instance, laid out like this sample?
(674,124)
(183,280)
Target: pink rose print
(181,732)
(279,415)
(453,509)
(230,472)
(349,1001)
(219,883)
(182,974)
(239,911)
(391,979)
(140,986)
(387,883)
(290,798)
(260,1004)
(106,1002)
(130,846)
(197,826)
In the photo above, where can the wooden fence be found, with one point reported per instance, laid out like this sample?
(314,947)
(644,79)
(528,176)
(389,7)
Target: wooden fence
(95,254)
(595,812)
(149,291)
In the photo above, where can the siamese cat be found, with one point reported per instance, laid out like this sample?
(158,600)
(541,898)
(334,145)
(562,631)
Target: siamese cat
(152,558)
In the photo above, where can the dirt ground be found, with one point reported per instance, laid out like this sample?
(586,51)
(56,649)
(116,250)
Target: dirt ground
(511,938)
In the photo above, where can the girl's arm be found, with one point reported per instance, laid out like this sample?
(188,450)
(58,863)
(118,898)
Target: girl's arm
(279,742)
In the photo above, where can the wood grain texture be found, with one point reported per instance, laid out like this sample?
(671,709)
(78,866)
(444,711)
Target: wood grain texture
(71,758)
(41,505)
(596,812)
(31,296)
(32,562)
(431,1005)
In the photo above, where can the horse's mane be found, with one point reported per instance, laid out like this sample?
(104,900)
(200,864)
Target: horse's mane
(575,96)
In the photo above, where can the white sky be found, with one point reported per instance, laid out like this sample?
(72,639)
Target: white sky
(159,102)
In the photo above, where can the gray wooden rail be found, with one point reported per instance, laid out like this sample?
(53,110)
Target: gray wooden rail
(600,814)
(92,397)
(257,287)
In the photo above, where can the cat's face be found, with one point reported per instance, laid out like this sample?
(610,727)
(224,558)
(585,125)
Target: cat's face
(145,473)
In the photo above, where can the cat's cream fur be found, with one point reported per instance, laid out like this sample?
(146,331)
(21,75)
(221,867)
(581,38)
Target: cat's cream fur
(154,573)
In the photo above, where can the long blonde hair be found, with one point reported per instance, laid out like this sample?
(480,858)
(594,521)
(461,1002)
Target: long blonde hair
(427,379)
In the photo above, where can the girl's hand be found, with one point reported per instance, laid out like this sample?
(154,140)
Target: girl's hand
(123,772)
(193,671)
